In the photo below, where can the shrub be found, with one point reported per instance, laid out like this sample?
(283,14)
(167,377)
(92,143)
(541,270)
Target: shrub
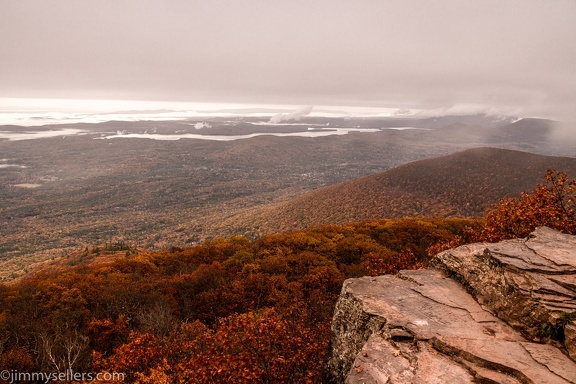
(551,204)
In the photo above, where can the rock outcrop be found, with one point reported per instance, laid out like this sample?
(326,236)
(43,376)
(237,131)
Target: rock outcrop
(484,313)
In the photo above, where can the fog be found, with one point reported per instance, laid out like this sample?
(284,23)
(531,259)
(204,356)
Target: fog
(512,57)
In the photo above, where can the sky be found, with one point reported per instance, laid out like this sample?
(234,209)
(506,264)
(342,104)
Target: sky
(515,57)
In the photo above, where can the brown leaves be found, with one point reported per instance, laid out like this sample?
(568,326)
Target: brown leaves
(227,311)
(142,353)
(19,359)
(552,204)
(391,262)
(260,346)
(106,335)
(257,347)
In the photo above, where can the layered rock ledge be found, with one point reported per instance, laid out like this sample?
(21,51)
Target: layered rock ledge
(485,313)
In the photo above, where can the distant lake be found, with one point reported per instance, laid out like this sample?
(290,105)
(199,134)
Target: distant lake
(28,134)
(311,132)
(197,131)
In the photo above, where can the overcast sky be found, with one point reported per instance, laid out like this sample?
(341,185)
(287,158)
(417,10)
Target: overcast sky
(515,57)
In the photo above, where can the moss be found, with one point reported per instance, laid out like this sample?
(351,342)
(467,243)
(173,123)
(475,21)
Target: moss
(555,330)
(552,331)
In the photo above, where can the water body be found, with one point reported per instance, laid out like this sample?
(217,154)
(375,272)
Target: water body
(315,132)
(311,131)
(30,135)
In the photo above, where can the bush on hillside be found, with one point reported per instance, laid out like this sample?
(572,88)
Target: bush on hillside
(551,204)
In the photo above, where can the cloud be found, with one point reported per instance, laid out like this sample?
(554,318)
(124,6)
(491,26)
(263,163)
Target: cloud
(403,112)
(393,54)
(292,116)
(202,125)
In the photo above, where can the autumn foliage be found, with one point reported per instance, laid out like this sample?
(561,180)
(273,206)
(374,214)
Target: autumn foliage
(551,204)
(235,310)
(226,311)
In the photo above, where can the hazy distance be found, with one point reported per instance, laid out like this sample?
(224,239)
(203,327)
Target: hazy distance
(511,57)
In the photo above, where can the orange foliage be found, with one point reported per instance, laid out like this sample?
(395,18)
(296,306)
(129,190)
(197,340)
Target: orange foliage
(552,204)
(142,352)
(106,335)
(18,359)
(258,347)
(227,311)
(391,263)
(234,310)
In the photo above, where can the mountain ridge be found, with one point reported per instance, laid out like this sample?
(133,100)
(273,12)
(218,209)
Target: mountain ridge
(464,183)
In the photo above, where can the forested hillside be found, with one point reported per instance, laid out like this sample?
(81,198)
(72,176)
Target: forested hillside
(59,194)
(229,310)
(464,184)
(232,310)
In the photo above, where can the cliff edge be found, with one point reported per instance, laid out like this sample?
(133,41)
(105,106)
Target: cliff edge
(483,313)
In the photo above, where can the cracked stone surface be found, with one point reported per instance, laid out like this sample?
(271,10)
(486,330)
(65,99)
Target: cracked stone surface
(529,283)
(425,327)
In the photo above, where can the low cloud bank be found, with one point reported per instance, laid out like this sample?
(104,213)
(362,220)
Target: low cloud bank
(291,116)
(202,125)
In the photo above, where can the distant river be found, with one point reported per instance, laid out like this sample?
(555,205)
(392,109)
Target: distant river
(311,132)
(29,133)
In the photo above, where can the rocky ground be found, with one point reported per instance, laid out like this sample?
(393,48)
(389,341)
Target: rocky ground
(489,313)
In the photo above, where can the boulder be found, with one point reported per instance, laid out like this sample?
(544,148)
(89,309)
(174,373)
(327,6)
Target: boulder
(529,283)
(481,315)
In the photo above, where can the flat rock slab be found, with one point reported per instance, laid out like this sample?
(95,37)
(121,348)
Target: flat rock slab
(424,327)
(530,283)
